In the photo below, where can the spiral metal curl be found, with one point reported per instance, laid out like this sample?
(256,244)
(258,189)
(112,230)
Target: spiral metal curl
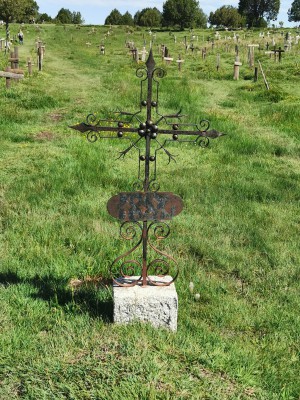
(91,119)
(141,73)
(202,141)
(158,73)
(92,137)
(128,268)
(153,186)
(161,267)
(161,230)
(138,186)
(129,230)
(204,125)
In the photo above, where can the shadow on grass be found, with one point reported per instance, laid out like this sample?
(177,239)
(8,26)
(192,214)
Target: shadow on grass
(94,299)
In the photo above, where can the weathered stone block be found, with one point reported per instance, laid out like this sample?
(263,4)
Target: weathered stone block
(157,305)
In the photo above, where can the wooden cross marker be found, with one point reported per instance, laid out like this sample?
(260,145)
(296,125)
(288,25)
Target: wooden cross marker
(168,60)
(278,51)
(143,213)
(251,54)
(11,74)
(179,62)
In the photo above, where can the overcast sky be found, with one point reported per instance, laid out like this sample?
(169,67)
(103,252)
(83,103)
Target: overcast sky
(95,11)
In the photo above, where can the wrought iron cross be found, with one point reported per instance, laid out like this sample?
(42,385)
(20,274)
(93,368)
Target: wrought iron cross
(143,213)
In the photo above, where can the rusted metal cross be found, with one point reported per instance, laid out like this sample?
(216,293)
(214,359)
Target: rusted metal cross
(143,212)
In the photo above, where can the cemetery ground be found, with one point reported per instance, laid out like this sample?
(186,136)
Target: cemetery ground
(237,238)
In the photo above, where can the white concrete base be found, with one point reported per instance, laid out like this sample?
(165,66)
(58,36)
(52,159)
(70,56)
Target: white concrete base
(157,305)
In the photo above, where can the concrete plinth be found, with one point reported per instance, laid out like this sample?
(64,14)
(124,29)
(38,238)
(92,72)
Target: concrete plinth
(157,305)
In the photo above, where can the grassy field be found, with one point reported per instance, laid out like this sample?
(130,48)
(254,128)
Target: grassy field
(237,238)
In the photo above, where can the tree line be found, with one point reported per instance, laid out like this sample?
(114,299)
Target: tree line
(176,13)
(27,11)
(188,14)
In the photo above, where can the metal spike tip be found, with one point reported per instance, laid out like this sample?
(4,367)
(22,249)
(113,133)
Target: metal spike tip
(150,63)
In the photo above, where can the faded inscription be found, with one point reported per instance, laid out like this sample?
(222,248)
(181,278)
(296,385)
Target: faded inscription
(140,206)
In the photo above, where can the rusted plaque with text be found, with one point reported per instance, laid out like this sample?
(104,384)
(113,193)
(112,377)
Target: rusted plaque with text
(144,206)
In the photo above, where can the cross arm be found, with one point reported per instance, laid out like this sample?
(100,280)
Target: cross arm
(83,128)
(212,134)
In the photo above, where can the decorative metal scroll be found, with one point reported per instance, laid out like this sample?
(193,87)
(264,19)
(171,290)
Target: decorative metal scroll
(144,212)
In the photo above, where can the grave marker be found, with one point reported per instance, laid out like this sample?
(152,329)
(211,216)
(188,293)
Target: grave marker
(168,60)
(179,62)
(251,54)
(9,74)
(2,44)
(29,66)
(14,58)
(236,69)
(218,61)
(278,51)
(143,53)
(102,49)
(136,209)
(143,286)
(134,53)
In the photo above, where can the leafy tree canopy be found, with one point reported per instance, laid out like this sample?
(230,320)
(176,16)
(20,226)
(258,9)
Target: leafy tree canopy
(294,11)
(200,20)
(136,17)
(114,18)
(77,18)
(148,17)
(185,13)
(226,16)
(127,19)
(44,18)
(65,16)
(17,10)
(256,10)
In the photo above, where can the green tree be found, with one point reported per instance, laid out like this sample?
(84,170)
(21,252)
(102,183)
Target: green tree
(148,17)
(255,11)
(77,18)
(200,20)
(181,12)
(136,18)
(127,19)
(64,16)
(30,12)
(17,10)
(44,18)
(294,11)
(226,16)
(114,18)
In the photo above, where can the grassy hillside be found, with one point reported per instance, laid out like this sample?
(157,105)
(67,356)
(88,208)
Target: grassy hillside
(237,238)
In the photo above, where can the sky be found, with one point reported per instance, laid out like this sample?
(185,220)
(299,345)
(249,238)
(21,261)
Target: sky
(95,11)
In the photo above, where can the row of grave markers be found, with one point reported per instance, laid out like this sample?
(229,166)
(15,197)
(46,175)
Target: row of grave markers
(140,55)
(13,71)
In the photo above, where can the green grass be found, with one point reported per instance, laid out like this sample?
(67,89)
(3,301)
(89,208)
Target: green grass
(237,238)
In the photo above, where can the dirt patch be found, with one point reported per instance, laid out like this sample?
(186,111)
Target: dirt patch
(45,136)
(55,116)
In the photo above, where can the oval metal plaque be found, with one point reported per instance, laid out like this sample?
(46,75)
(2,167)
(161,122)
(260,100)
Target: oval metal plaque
(140,206)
